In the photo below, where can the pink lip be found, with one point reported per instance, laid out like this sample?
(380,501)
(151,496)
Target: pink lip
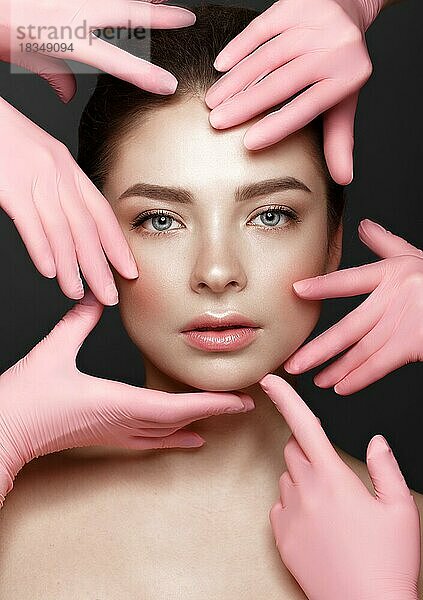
(209,321)
(221,341)
(235,332)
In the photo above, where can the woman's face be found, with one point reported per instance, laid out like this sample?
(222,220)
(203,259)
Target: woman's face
(235,229)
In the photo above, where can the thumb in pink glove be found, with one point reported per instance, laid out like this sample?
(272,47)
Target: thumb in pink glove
(337,539)
(48,405)
(385,331)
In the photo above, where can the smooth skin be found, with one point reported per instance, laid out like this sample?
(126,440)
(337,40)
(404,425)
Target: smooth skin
(218,254)
(294,44)
(213,253)
(337,539)
(384,332)
(63,219)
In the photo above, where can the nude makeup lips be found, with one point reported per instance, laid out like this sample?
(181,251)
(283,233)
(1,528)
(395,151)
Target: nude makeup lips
(220,333)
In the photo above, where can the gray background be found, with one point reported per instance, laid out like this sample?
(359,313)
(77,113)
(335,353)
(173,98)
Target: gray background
(388,159)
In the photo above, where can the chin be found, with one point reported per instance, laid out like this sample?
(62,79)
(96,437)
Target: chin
(223,384)
(216,379)
(214,372)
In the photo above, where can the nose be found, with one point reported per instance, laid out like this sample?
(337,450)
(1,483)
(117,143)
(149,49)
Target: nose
(218,265)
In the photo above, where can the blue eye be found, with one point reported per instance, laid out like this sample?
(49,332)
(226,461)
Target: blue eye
(160,221)
(273,216)
(270,217)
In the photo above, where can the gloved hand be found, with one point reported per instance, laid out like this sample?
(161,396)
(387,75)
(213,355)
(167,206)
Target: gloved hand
(39,24)
(48,405)
(62,217)
(295,44)
(337,539)
(386,329)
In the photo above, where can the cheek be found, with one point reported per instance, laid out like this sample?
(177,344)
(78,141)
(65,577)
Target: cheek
(144,298)
(146,303)
(291,318)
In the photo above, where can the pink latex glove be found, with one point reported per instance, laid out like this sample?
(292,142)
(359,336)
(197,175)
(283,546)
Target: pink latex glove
(26,21)
(336,538)
(62,217)
(295,44)
(48,405)
(386,329)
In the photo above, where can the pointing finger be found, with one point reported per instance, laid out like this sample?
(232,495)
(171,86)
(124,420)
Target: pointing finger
(304,425)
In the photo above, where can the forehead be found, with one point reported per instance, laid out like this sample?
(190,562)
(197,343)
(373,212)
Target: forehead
(176,145)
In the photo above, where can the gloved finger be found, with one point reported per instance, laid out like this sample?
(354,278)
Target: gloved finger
(387,478)
(27,221)
(110,233)
(169,409)
(179,439)
(256,33)
(89,251)
(351,328)
(384,243)
(286,488)
(338,139)
(295,460)
(56,227)
(296,114)
(124,65)
(343,283)
(274,53)
(379,364)
(278,86)
(116,61)
(71,331)
(251,81)
(162,424)
(370,343)
(117,13)
(301,420)
(55,71)
(158,431)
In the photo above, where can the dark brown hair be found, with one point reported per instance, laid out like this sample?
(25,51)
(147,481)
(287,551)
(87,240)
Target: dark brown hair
(188,53)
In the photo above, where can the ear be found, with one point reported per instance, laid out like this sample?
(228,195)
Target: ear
(335,250)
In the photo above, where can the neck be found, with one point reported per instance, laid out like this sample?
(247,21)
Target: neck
(236,445)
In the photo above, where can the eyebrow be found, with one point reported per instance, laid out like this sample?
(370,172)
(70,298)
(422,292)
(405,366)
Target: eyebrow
(243,193)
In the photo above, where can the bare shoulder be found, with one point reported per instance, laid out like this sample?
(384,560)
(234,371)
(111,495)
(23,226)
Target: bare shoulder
(360,468)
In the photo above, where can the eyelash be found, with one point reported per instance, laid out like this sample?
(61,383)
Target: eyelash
(143,217)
